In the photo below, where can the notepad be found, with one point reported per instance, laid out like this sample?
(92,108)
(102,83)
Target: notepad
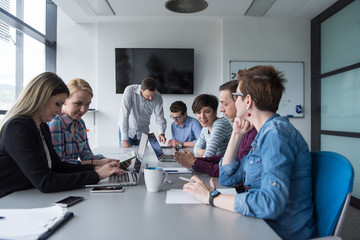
(178,196)
(34,223)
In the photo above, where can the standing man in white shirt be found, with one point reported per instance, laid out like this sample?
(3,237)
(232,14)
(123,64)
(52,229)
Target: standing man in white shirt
(138,103)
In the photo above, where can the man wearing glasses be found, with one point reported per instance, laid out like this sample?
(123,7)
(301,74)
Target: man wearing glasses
(185,130)
(210,165)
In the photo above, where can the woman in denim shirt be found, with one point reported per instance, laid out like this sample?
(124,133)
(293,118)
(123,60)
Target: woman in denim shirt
(276,174)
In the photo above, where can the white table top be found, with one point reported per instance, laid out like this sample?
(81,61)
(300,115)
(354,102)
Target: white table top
(138,214)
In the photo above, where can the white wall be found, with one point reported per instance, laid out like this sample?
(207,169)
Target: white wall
(260,39)
(88,51)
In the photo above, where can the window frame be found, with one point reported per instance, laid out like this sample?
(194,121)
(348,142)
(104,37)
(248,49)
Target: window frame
(49,41)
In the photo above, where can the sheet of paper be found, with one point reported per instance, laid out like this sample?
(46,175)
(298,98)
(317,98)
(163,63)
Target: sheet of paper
(177,170)
(178,196)
(28,223)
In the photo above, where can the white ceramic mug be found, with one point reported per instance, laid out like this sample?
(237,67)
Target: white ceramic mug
(154,177)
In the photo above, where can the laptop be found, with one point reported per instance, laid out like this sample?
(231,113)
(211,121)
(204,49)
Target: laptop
(158,150)
(129,178)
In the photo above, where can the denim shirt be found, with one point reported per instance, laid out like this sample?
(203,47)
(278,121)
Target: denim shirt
(277,174)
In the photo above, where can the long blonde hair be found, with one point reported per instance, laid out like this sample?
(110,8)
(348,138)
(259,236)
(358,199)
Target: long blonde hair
(36,95)
(79,84)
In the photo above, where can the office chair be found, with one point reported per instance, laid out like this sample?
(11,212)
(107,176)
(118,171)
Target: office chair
(333,177)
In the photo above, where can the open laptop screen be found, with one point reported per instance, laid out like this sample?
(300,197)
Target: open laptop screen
(142,146)
(156,146)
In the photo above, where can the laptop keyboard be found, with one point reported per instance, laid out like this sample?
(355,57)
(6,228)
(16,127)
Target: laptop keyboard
(123,178)
(134,176)
(168,158)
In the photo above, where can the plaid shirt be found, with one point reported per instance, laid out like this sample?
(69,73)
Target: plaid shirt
(71,148)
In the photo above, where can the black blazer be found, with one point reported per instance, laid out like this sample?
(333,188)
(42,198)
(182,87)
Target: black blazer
(23,162)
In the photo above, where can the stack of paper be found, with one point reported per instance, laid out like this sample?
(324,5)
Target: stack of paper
(35,223)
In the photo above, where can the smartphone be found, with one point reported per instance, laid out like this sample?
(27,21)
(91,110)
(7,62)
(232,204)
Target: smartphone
(178,149)
(66,202)
(107,189)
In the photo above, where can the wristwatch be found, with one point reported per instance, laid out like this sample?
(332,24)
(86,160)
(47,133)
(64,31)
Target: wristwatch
(213,194)
(181,145)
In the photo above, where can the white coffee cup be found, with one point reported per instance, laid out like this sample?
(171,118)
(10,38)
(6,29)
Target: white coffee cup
(154,177)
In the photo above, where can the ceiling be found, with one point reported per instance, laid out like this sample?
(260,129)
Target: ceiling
(140,10)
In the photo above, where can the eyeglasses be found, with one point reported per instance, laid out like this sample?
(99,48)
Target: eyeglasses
(235,96)
(176,118)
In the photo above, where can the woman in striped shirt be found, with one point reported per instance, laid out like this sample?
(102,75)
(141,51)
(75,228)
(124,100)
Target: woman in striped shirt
(216,132)
(68,130)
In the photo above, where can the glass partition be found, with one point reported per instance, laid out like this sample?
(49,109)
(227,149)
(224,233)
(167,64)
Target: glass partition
(340,102)
(337,48)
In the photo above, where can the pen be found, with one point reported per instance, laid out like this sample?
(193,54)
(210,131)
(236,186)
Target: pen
(170,171)
(186,179)
(2,217)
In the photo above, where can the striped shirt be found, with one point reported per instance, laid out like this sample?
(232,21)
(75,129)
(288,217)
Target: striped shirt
(71,148)
(216,141)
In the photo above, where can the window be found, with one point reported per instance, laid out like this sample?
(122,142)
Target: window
(27,48)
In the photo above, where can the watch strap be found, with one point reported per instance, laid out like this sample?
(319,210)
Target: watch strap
(213,194)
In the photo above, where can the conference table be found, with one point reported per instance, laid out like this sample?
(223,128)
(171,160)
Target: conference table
(138,214)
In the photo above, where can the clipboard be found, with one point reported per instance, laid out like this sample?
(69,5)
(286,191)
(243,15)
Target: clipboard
(32,223)
(67,216)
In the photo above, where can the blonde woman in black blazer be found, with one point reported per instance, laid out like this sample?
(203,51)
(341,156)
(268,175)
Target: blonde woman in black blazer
(27,157)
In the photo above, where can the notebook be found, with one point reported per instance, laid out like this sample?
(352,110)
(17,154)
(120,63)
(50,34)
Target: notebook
(129,178)
(159,152)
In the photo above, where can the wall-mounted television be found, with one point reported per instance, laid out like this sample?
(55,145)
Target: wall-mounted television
(173,68)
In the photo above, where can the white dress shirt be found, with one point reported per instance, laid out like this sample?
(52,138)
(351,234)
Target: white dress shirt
(135,113)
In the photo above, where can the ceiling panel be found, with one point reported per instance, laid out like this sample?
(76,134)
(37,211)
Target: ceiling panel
(129,10)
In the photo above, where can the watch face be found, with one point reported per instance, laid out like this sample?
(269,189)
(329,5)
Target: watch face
(215,192)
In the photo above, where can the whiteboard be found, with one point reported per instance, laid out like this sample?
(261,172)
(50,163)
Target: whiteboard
(292,101)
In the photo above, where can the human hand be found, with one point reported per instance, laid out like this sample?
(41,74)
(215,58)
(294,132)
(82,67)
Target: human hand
(103,161)
(173,142)
(199,189)
(162,138)
(109,169)
(200,152)
(125,143)
(125,165)
(241,126)
(185,159)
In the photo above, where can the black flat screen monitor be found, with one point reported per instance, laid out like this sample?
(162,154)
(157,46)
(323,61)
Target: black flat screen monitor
(173,68)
